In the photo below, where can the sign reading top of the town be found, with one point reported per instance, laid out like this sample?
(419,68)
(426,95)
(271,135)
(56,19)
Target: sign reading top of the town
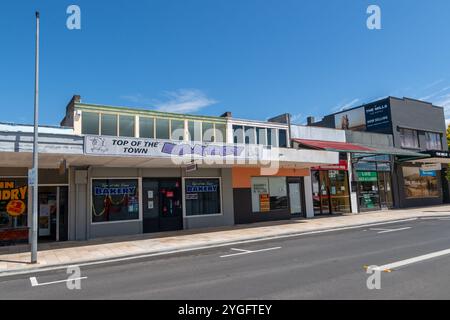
(136,147)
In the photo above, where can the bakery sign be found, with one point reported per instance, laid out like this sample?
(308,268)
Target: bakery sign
(139,147)
(13,198)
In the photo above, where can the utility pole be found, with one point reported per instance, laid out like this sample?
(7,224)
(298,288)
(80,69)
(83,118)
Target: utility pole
(34,224)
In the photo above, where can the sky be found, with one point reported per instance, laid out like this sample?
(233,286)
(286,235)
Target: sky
(254,58)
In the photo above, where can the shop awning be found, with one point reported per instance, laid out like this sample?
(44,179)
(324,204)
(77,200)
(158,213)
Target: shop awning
(358,148)
(435,156)
(332,146)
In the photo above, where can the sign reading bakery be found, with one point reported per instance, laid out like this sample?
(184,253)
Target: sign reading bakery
(13,197)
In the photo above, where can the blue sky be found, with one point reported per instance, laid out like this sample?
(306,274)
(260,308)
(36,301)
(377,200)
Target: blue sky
(255,58)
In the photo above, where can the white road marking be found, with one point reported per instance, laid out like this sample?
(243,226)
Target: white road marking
(433,218)
(35,283)
(249,252)
(406,262)
(158,254)
(242,250)
(380,231)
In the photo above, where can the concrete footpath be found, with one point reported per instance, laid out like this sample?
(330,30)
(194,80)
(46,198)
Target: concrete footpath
(16,259)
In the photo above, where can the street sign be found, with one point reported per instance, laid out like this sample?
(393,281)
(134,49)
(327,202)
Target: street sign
(431,167)
(191,167)
(31,177)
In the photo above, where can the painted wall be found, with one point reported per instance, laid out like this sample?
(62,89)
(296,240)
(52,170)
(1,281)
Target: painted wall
(316,133)
(418,115)
(242,195)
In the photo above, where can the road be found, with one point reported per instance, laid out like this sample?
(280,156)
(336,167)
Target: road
(319,266)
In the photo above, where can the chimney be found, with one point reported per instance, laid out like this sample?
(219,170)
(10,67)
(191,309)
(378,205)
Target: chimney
(310,121)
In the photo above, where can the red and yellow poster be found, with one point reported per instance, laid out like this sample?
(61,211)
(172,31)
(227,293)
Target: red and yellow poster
(13,198)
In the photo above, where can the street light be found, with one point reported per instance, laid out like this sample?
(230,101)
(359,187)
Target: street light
(34,178)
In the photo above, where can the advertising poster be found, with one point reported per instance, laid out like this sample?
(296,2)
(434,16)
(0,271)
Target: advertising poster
(354,119)
(378,117)
(13,203)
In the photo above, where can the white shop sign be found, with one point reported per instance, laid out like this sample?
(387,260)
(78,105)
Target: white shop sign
(135,147)
(431,167)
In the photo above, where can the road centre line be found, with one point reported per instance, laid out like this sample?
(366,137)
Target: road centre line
(249,252)
(159,254)
(35,283)
(402,263)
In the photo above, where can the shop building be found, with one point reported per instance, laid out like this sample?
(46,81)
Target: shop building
(110,171)
(363,180)
(415,126)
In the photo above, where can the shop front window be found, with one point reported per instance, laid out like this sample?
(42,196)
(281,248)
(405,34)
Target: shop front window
(162,129)
(368,193)
(282,139)
(220,132)
(433,141)
(202,197)
(90,123)
(269,193)
(238,134)
(13,203)
(109,125)
(419,183)
(409,138)
(177,129)
(115,200)
(195,130)
(126,126)
(146,127)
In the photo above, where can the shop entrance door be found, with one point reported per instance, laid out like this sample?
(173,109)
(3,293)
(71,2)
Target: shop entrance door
(330,192)
(295,197)
(385,190)
(53,213)
(162,205)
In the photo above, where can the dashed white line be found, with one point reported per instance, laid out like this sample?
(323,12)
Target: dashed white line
(380,231)
(249,252)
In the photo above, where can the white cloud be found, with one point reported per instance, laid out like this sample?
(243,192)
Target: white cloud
(345,105)
(185,100)
(180,101)
(297,118)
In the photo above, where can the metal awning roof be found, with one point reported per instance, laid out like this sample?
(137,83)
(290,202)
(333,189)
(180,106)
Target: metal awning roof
(358,148)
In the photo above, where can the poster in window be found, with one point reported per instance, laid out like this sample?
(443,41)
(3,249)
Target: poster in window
(115,200)
(419,183)
(13,203)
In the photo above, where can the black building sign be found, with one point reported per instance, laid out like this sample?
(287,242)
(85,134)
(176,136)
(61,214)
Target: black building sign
(378,117)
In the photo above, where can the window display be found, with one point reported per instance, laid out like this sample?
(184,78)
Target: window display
(13,203)
(115,200)
(271,190)
(419,183)
(202,197)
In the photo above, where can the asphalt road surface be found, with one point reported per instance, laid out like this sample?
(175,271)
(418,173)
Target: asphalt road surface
(320,266)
